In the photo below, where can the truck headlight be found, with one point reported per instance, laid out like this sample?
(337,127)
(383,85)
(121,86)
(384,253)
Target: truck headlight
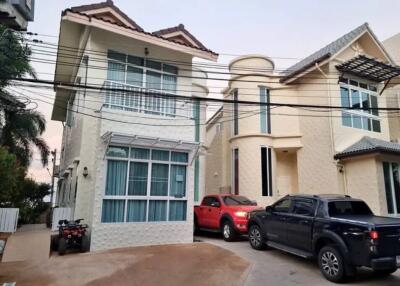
(241,214)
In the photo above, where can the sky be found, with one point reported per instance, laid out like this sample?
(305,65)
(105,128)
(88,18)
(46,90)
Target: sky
(285,30)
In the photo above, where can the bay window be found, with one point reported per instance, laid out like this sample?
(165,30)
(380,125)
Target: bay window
(361,97)
(138,75)
(144,185)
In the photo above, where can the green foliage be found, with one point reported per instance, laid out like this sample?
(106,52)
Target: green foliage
(11,176)
(22,128)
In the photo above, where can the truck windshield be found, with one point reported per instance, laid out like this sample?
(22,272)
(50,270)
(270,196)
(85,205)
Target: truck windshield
(238,200)
(344,208)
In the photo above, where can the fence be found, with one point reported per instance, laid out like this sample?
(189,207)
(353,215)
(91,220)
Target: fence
(8,219)
(59,214)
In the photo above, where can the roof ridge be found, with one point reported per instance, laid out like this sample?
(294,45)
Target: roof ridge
(325,52)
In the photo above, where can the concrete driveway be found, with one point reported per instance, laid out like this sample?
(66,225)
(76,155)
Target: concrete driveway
(188,264)
(272,267)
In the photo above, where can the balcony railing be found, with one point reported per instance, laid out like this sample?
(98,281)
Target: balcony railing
(127,97)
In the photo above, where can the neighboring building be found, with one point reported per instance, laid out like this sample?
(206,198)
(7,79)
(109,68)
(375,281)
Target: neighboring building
(16,14)
(266,152)
(130,163)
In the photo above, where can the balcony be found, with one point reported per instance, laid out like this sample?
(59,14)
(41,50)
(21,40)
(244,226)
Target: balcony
(121,96)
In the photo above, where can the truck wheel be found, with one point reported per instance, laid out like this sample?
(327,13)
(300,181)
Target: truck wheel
(331,264)
(256,238)
(228,231)
(62,246)
(85,244)
(385,272)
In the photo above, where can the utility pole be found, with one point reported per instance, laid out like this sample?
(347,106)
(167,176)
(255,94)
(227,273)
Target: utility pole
(54,153)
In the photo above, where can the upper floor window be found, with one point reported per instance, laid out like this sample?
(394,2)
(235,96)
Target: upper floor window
(134,74)
(265,115)
(360,96)
(235,112)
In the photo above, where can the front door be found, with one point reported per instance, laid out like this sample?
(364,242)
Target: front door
(300,223)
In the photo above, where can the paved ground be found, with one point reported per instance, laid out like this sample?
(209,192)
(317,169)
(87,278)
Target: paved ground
(191,264)
(272,267)
(30,242)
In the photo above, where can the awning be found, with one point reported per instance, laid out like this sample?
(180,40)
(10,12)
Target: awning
(149,142)
(368,145)
(368,68)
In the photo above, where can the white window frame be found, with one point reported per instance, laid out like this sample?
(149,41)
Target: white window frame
(360,113)
(145,69)
(148,197)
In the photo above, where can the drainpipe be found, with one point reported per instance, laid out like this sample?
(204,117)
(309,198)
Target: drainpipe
(330,111)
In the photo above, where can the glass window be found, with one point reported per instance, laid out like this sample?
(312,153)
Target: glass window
(388,188)
(365,102)
(265,116)
(266,171)
(170,69)
(159,180)
(357,121)
(135,60)
(157,210)
(136,211)
(208,201)
(116,72)
(235,113)
(160,155)
(153,80)
(282,206)
(134,76)
(120,152)
(374,104)
(392,186)
(237,201)
(355,99)
(177,211)
(169,83)
(153,64)
(343,208)
(116,178)
(303,207)
(179,157)
(113,211)
(177,187)
(376,126)
(138,173)
(344,92)
(140,153)
(116,56)
(346,119)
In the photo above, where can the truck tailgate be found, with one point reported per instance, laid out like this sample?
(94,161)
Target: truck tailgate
(388,240)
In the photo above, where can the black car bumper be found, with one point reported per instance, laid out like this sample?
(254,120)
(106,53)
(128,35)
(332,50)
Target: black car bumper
(383,263)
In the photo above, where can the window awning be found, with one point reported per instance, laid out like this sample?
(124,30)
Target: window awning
(368,68)
(146,141)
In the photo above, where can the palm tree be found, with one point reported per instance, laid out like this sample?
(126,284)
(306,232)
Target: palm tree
(22,128)
(22,131)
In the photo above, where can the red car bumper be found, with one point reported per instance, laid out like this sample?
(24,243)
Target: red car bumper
(240,224)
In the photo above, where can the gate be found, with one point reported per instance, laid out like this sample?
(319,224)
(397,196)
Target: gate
(59,214)
(8,219)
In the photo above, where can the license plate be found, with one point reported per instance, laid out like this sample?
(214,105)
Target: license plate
(398,260)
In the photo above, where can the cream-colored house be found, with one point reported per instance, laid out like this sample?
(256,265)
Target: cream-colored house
(132,127)
(268,151)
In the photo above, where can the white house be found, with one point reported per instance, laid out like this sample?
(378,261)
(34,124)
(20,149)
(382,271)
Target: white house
(130,163)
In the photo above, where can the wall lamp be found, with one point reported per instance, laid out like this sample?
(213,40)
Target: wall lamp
(85,172)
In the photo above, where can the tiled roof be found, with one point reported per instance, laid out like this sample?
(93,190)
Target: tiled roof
(179,28)
(81,10)
(368,145)
(108,3)
(324,53)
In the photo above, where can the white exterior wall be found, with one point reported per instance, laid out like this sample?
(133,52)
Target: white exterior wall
(91,150)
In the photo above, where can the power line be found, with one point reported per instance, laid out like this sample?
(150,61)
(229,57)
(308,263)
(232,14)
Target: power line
(176,96)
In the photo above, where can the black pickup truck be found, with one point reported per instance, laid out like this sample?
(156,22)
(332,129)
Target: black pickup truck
(340,232)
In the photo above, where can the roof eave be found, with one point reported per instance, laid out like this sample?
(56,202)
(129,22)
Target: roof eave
(365,152)
(87,20)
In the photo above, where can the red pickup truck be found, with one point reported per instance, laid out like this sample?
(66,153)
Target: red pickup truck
(225,213)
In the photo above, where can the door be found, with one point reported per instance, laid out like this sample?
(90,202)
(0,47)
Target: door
(300,224)
(275,221)
(209,212)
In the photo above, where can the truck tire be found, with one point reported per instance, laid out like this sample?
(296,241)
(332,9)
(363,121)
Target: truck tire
(228,231)
(256,238)
(62,246)
(331,264)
